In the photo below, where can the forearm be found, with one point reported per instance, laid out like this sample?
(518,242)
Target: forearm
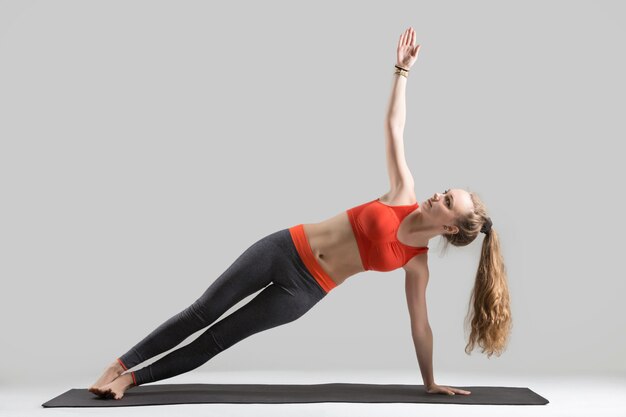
(396,113)
(423,341)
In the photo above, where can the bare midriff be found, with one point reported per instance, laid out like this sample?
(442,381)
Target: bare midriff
(334,246)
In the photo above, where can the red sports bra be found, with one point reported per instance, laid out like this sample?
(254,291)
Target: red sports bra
(375,225)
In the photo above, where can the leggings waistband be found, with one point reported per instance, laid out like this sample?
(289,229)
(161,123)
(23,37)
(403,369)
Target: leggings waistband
(306,254)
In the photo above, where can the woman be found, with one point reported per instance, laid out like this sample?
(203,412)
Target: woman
(296,267)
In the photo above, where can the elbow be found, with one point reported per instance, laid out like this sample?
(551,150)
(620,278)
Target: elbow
(421,328)
(395,127)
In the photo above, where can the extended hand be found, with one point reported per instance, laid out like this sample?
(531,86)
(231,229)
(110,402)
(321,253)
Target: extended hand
(407,50)
(441,389)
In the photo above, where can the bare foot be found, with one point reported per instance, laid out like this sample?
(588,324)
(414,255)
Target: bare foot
(110,373)
(117,388)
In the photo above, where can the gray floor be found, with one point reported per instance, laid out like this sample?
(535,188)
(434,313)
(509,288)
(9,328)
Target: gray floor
(568,395)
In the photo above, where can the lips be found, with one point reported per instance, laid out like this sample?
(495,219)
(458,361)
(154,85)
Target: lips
(431,203)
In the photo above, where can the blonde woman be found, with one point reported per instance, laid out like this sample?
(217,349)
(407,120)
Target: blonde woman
(297,267)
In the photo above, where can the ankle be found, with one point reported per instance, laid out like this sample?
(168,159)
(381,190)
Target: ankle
(128,380)
(117,367)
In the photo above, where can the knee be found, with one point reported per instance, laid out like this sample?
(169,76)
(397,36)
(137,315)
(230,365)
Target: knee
(197,314)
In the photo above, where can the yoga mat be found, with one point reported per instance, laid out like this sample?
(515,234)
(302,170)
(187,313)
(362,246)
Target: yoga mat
(164,394)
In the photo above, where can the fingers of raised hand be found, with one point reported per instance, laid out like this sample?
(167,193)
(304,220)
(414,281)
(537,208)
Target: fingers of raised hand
(406,37)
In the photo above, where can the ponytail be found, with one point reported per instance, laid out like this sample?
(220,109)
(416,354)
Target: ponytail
(489,314)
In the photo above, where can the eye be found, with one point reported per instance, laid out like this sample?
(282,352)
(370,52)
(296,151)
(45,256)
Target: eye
(447,199)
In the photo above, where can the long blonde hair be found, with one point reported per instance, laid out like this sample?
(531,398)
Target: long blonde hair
(489,313)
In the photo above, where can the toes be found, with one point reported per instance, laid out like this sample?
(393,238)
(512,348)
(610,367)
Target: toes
(103,392)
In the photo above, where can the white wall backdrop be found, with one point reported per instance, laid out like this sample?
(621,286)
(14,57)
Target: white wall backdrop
(145,144)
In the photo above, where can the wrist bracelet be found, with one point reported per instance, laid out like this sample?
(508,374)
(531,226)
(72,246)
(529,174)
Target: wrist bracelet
(400,68)
(403,72)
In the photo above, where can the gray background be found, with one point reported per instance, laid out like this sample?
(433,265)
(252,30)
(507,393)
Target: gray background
(146,144)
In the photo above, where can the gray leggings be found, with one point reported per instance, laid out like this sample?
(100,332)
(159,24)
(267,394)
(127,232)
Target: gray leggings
(272,265)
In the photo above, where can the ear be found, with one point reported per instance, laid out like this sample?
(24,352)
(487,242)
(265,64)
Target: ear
(452,230)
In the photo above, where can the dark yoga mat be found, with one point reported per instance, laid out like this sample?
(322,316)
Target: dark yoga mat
(276,394)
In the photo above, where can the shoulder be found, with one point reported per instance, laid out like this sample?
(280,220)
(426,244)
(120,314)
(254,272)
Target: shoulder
(417,265)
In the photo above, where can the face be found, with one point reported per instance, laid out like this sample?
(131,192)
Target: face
(443,208)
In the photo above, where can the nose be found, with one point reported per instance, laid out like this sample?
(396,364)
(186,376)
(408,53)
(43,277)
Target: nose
(436,196)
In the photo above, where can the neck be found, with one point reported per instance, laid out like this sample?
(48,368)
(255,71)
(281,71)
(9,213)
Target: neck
(422,229)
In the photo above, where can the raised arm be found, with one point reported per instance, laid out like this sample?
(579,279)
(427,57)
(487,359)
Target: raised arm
(399,173)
